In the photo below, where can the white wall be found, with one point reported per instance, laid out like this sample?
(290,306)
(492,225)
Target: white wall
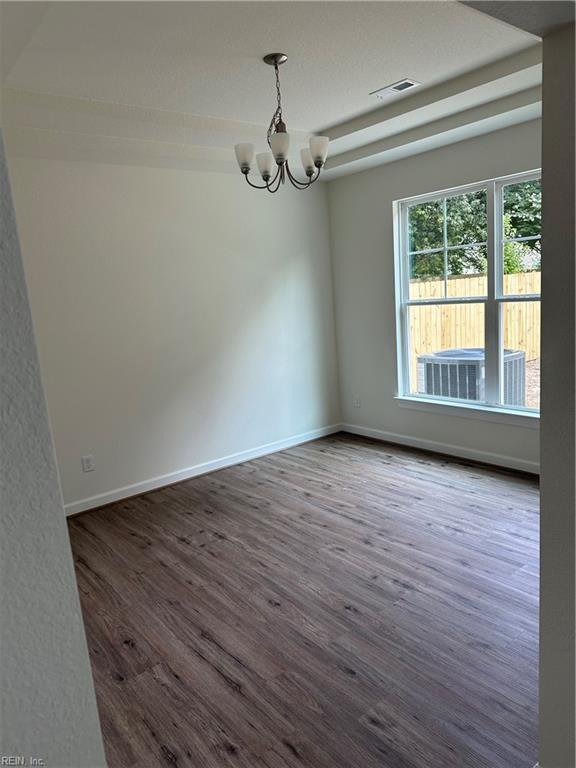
(558,498)
(181,317)
(48,708)
(363,263)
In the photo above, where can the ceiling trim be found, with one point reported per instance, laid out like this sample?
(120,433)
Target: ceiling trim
(47,144)
(501,113)
(496,71)
(30,109)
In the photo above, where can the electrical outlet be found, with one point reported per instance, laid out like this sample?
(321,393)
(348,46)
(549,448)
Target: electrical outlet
(88,464)
(356,401)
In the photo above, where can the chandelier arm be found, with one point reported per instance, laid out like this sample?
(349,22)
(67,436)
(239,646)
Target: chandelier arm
(256,186)
(266,184)
(301,184)
(276,180)
(296,182)
(279,179)
(273,191)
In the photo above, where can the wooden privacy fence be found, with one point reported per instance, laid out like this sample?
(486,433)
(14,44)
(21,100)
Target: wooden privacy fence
(448,326)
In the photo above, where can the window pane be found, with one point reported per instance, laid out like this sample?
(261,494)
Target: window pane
(466,219)
(522,215)
(522,209)
(467,271)
(427,275)
(521,335)
(522,264)
(446,351)
(426,226)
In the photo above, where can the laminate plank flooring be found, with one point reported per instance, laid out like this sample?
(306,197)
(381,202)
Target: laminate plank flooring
(342,604)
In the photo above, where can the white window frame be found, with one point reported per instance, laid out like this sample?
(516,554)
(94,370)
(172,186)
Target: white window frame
(492,409)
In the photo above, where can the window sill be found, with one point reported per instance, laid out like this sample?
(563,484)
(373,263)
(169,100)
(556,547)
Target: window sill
(528,419)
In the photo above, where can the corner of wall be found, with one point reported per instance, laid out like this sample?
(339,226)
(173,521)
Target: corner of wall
(47,695)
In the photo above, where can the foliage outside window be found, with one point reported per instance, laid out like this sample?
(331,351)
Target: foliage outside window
(469,306)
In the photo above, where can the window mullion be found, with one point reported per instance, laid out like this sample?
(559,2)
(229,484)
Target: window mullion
(403,289)
(493,330)
(445,234)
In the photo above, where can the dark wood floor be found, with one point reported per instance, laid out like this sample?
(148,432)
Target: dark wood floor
(343,604)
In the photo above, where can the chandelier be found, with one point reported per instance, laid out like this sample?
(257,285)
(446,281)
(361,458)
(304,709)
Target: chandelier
(313,157)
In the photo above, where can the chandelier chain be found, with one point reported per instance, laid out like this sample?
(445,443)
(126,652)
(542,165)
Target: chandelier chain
(277,116)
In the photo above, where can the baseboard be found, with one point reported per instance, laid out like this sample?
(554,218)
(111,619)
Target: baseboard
(152,484)
(510,462)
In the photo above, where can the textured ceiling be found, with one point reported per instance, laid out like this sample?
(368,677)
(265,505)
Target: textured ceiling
(536,16)
(203,58)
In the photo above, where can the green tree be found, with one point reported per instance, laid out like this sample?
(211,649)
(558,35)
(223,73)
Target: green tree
(466,219)
(426,226)
(523,210)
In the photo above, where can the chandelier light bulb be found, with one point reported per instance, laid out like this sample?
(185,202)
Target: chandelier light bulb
(265,162)
(244,156)
(307,161)
(319,149)
(280,143)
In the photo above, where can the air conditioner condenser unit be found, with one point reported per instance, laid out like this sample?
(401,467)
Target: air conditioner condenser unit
(461,374)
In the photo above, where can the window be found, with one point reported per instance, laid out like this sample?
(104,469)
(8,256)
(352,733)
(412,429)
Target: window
(468,295)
